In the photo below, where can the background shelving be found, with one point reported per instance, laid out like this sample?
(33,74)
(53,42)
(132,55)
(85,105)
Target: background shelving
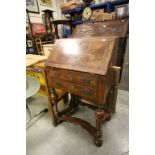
(108,7)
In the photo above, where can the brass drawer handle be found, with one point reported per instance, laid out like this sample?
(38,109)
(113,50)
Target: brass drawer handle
(87,92)
(72,87)
(55,74)
(86,81)
(70,77)
(58,84)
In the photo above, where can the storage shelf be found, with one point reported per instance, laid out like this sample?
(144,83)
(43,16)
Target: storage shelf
(77,22)
(119,2)
(93,6)
(73,10)
(107,4)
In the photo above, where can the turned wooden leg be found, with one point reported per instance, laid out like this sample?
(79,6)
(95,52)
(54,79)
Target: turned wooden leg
(99,119)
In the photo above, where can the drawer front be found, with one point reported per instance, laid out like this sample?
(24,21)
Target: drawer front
(85,92)
(73,76)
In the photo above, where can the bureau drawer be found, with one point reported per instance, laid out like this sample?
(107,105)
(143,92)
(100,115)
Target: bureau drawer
(73,76)
(85,92)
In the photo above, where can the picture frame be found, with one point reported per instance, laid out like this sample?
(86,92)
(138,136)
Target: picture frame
(47,3)
(32,6)
(38,28)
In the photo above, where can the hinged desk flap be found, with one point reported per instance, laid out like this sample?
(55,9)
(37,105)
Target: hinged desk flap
(91,55)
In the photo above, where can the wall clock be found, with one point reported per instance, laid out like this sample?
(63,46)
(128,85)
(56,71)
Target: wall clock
(86,14)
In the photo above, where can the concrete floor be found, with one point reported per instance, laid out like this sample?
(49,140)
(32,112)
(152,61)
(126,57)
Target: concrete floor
(69,139)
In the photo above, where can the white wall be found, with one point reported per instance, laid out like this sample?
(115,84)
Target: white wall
(37,18)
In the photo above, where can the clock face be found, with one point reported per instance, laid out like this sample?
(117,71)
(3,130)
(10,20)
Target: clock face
(87,12)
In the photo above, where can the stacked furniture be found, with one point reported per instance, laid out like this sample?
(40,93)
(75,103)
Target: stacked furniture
(107,7)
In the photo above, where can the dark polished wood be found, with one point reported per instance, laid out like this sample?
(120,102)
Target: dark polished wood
(84,124)
(83,67)
(87,55)
(111,28)
(108,29)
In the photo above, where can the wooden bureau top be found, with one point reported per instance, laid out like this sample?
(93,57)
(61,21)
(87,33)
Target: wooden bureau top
(91,55)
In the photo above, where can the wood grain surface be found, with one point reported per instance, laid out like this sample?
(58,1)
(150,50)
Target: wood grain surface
(118,28)
(91,55)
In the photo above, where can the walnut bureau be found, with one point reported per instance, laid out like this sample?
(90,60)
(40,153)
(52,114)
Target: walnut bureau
(83,67)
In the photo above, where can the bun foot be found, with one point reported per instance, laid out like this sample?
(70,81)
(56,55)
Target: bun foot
(108,118)
(98,141)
